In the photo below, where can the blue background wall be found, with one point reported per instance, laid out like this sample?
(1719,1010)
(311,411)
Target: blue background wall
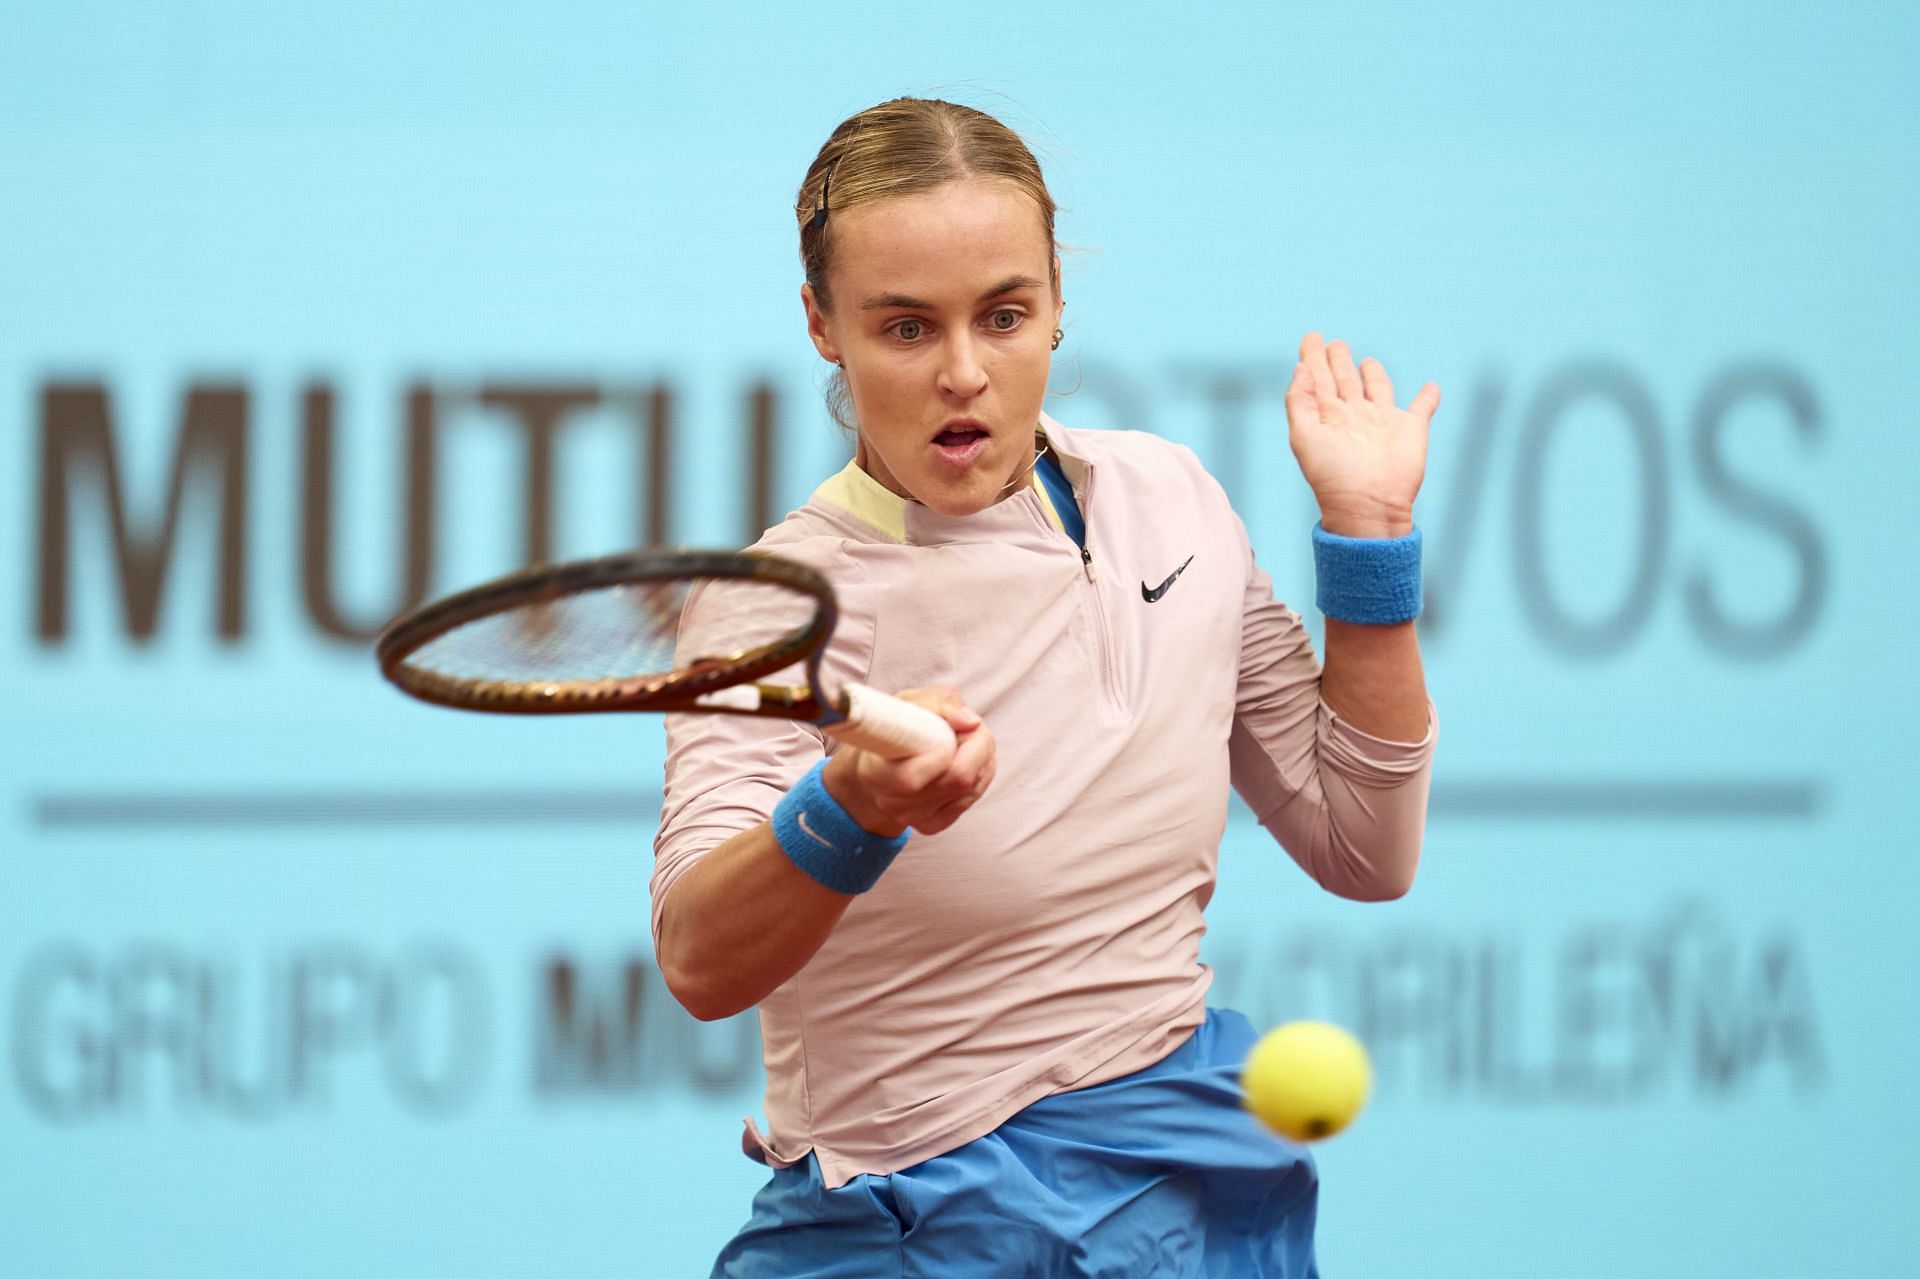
(298,977)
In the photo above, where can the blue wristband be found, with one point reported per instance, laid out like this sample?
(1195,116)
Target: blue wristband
(1367,579)
(822,840)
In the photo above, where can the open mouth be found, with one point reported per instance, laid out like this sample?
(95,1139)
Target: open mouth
(961,444)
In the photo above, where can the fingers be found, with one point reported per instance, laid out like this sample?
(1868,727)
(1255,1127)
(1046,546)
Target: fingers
(937,805)
(1373,375)
(1313,354)
(945,701)
(1345,376)
(967,774)
(1302,404)
(931,790)
(941,818)
(1425,403)
(904,779)
(1327,369)
(952,811)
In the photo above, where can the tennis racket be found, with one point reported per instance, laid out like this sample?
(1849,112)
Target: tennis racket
(683,631)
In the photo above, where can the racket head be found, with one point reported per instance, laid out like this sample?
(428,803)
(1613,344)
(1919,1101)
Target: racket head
(604,635)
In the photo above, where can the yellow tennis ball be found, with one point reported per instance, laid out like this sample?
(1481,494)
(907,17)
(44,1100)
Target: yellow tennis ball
(1307,1079)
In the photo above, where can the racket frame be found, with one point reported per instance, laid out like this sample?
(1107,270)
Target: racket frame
(692,688)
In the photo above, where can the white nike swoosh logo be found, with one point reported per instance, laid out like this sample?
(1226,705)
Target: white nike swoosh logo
(810,835)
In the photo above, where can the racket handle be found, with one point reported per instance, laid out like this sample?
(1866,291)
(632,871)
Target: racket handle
(889,727)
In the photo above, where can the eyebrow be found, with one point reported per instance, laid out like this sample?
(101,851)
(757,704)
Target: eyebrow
(902,301)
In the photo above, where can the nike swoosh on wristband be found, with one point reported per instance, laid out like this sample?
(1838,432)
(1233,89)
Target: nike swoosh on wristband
(809,832)
(1153,596)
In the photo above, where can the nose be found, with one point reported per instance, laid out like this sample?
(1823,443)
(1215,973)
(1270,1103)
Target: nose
(962,373)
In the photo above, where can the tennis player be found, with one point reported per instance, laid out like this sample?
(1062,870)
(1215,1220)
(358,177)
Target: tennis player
(988,1047)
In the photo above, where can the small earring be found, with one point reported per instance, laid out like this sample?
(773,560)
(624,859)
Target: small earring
(1059,336)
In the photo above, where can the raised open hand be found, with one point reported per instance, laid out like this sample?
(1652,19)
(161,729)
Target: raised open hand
(1364,457)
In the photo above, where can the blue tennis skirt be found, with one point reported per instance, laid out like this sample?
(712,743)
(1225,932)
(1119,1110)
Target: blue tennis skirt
(1161,1172)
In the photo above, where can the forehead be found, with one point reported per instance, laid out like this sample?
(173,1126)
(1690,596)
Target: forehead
(948,244)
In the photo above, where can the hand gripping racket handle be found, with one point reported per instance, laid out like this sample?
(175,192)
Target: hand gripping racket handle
(889,727)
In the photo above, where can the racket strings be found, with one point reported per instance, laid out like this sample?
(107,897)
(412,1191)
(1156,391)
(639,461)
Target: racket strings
(632,631)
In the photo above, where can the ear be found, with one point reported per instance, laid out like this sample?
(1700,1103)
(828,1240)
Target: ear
(1059,298)
(817,326)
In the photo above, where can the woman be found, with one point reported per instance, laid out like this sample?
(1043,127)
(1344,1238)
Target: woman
(981,1002)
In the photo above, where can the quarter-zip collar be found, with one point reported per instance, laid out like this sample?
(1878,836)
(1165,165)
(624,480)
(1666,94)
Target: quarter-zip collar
(897,519)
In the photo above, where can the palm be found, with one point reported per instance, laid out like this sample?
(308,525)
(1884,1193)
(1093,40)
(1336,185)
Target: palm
(1363,456)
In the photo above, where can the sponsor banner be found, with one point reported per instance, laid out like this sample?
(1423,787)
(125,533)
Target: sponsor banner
(303,322)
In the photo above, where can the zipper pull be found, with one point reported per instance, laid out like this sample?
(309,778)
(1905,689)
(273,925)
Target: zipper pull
(1086,560)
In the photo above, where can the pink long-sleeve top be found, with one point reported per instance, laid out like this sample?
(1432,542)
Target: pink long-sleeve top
(1048,940)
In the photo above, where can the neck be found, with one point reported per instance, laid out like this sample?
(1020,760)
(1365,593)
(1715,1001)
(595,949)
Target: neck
(1038,450)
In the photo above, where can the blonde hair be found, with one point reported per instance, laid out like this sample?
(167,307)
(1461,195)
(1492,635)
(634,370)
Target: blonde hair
(901,148)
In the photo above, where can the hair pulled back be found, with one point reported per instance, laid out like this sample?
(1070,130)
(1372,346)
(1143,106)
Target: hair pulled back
(898,148)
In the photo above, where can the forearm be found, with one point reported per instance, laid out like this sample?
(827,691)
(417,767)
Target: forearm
(1372,679)
(746,916)
(741,921)
(1336,763)
(1314,752)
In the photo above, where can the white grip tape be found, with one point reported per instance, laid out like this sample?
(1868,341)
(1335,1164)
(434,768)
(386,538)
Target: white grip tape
(889,727)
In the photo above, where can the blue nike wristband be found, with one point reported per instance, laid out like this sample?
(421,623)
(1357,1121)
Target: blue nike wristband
(819,837)
(1367,579)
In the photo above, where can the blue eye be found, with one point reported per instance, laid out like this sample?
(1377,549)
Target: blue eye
(907,330)
(1004,320)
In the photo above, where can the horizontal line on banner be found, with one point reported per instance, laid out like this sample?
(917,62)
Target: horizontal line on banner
(346,808)
(1747,799)
(1758,798)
